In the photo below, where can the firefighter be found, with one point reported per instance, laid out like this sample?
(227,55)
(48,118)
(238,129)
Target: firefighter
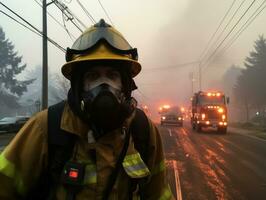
(103,161)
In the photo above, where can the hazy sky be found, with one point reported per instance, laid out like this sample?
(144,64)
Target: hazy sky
(166,32)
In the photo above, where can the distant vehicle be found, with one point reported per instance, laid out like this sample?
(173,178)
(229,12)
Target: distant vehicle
(209,109)
(12,124)
(171,115)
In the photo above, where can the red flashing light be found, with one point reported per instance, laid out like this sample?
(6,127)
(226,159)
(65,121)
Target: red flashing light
(73,173)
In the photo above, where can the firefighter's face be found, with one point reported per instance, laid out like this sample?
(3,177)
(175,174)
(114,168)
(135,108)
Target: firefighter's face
(98,75)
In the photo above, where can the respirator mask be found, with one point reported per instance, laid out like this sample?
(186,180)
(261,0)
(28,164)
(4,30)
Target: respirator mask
(106,106)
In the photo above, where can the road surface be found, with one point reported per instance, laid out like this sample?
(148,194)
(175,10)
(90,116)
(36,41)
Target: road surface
(213,166)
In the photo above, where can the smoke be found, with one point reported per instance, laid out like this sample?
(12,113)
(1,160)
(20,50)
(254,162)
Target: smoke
(182,39)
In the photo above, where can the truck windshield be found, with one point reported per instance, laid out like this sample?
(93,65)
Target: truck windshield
(212,100)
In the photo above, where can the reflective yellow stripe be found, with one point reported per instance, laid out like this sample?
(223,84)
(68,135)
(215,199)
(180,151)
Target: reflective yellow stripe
(8,168)
(167,194)
(90,174)
(134,166)
(158,168)
(131,159)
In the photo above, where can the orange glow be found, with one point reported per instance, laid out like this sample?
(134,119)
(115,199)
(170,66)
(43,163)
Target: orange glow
(221,123)
(220,110)
(209,94)
(166,106)
(223,117)
(182,109)
(203,116)
(207,122)
(218,94)
(225,123)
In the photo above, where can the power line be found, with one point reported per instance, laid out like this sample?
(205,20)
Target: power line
(66,28)
(221,22)
(229,33)
(174,66)
(34,28)
(228,23)
(86,12)
(62,26)
(244,27)
(106,13)
(70,16)
(20,23)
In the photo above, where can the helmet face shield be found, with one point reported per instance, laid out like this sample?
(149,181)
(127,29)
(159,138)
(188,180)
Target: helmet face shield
(70,53)
(101,32)
(90,38)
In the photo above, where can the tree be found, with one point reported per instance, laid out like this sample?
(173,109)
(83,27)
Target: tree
(10,66)
(250,87)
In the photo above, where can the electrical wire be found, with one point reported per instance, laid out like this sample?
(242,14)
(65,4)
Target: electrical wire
(228,23)
(66,27)
(62,26)
(244,27)
(34,28)
(106,13)
(20,23)
(211,56)
(68,1)
(174,66)
(70,16)
(221,22)
(86,12)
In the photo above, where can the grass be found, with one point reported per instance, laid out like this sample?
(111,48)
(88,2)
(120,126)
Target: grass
(256,129)
(261,135)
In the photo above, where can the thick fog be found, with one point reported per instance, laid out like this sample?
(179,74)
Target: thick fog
(167,33)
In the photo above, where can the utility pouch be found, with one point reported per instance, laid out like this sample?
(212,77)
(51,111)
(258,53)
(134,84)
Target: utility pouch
(73,174)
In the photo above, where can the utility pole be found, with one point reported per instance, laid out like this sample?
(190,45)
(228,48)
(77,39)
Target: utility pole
(44,58)
(191,77)
(200,71)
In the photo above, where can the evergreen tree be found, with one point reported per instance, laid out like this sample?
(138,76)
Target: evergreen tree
(250,87)
(10,66)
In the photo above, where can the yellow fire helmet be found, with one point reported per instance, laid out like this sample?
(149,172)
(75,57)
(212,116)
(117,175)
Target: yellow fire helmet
(101,42)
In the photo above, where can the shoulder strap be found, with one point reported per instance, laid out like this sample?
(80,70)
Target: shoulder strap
(140,130)
(60,148)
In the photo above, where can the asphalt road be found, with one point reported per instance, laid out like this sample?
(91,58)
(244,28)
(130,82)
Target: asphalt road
(213,166)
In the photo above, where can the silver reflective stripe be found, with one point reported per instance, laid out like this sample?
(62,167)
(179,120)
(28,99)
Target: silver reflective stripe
(135,167)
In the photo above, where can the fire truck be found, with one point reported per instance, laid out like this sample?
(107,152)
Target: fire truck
(171,115)
(209,109)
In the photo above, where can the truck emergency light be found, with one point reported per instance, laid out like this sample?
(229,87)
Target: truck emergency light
(166,106)
(220,110)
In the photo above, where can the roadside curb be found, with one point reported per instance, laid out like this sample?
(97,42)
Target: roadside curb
(247,134)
